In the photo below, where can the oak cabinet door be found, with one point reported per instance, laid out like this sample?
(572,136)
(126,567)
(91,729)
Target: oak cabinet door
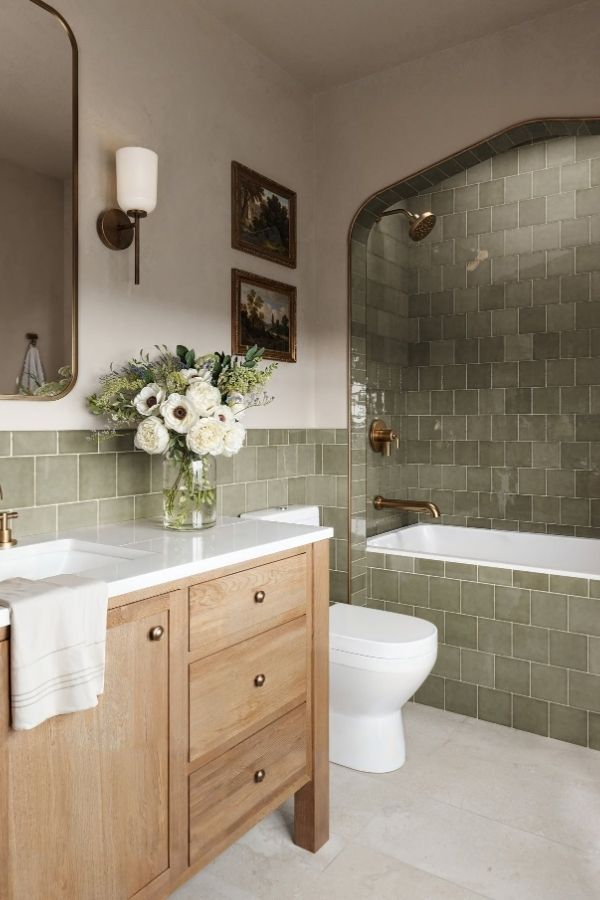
(84,798)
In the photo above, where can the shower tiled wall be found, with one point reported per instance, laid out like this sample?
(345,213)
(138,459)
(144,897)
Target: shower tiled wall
(72,479)
(502,386)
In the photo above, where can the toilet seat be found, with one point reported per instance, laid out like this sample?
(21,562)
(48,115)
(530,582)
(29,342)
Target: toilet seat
(362,632)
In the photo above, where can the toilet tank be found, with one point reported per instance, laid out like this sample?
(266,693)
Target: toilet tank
(293,515)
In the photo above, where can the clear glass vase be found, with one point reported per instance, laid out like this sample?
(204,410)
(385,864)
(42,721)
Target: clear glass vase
(189,492)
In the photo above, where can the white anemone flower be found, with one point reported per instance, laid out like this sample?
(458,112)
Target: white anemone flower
(152,436)
(206,436)
(179,414)
(204,397)
(224,414)
(233,439)
(188,375)
(147,402)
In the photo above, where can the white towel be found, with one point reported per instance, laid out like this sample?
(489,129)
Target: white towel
(32,376)
(57,646)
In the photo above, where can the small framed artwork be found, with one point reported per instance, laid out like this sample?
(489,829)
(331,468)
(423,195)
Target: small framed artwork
(263,216)
(263,312)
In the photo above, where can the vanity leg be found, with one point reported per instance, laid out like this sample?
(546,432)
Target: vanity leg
(311,803)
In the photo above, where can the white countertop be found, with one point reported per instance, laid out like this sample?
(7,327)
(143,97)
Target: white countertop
(171,555)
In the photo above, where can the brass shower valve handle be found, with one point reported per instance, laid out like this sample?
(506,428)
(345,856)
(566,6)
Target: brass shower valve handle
(381,437)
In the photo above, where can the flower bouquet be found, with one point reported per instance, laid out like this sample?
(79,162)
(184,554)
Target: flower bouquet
(187,408)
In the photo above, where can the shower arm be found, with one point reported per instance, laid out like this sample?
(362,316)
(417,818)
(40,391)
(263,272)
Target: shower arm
(392,212)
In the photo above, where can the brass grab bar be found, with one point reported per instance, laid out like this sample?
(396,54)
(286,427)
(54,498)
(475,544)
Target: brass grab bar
(411,505)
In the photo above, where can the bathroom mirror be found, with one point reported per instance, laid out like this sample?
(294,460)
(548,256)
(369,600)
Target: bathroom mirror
(38,202)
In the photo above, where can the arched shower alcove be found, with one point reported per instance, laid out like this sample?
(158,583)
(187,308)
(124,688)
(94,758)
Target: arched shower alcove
(484,358)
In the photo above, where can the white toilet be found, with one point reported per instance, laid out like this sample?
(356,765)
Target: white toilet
(377,661)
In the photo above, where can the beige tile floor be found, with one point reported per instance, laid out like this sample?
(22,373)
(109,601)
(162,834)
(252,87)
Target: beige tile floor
(478,810)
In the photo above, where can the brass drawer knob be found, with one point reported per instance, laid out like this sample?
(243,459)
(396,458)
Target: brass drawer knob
(259,776)
(259,597)
(156,633)
(260,680)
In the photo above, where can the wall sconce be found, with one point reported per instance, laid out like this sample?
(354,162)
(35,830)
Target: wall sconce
(137,175)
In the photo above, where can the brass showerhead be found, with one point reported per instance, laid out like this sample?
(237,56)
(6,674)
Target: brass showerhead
(420,225)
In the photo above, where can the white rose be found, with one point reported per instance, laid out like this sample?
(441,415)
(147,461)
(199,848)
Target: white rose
(204,397)
(206,436)
(237,403)
(179,414)
(148,401)
(233,439)
(152,436)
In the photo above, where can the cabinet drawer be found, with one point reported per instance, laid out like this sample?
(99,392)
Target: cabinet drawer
(227,792)
(239,690)
(235,607)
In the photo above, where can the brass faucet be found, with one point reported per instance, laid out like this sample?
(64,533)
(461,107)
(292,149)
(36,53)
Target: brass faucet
(6,538)
(411,505)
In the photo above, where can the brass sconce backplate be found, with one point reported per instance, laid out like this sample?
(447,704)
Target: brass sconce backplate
(115,229)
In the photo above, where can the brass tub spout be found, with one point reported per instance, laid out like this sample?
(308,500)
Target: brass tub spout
(424,506)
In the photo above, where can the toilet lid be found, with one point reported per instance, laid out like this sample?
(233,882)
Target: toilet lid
(379,634)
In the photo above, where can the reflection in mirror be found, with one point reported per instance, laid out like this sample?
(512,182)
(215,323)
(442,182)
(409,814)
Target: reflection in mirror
(38,221)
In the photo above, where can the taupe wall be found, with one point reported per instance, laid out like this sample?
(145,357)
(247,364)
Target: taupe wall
(378,130)
(32,285)
(169,77)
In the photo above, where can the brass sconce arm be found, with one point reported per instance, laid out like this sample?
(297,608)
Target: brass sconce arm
(117,231)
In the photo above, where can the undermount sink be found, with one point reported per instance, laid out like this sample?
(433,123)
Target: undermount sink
(61,557)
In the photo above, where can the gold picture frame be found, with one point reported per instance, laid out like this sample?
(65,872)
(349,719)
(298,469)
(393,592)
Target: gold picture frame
(263,216)
(263,312)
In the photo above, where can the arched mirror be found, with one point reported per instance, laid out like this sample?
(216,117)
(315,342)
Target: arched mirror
(38,202)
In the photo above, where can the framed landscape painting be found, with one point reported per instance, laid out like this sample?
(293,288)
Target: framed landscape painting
(263,216)
(263,313)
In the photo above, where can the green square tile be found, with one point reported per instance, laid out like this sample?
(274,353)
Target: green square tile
(432,692)
(121,442)
(477,668)
(461,698)
(277,495)
(244,465)
(530,643)
(494,575)
(413,589)
(133,473)
(512,675)
(278,436)
(55,479)
(584,691)
(4,443)
(447,663)
(148,506)
(116,510)
(224,472)
(584,615)
(477,599)
(461,631)
(495,637)
(400,563)
(594,731)
(435,616)
(444,593)
(232,499)
(35,520)
(384,585)
(34,443)
(549,610)
(335,459)
(266,460)
(549,683)
(296,491)
(77,515)
(530,715)
(567,724)
(256,437)
(569,650)
(429,566)
(462,571)
(566,584)
(494,706)
(594,655)
(17,480)
(77,441)
(513,604)
(97,476)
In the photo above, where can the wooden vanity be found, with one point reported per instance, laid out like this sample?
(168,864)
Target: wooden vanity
(215,711)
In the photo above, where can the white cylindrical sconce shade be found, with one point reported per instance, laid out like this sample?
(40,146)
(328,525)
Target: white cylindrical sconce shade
(137,176)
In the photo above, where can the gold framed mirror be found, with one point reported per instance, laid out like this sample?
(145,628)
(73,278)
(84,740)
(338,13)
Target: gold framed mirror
(38,202)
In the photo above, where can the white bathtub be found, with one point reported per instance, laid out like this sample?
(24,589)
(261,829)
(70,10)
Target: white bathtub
(507,549)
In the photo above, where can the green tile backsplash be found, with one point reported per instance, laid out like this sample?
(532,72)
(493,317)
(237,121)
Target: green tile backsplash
(72,479)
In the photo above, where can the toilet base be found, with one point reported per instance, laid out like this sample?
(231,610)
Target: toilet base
(367,743)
